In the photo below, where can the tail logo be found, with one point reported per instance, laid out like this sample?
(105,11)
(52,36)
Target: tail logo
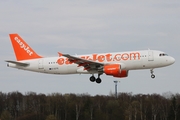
(23,46)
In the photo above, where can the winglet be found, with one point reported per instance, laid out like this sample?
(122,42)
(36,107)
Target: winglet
(21,49)
(60,54)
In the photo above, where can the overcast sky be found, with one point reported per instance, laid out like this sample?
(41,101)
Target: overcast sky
(90,26)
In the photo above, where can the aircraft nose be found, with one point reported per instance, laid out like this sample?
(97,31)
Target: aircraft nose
(171,60)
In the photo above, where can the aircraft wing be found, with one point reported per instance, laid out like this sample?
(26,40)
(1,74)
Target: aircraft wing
(87,64)
(18,63)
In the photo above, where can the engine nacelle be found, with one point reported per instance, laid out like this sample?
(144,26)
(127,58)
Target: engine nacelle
(115,70)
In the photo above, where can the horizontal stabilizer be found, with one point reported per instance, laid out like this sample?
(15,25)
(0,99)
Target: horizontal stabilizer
(18,63)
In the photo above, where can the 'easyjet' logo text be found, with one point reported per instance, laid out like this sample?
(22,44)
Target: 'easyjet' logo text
(104,58)
(23,46)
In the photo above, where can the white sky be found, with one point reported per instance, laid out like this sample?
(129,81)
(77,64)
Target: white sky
(90,26)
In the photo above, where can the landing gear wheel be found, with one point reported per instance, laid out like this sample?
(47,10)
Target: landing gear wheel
(98,80)
(152,76)
(92,79)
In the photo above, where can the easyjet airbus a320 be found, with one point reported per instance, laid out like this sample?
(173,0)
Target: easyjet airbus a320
(115,64)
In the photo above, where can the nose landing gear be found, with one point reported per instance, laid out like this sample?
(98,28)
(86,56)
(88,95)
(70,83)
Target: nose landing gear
(152,75)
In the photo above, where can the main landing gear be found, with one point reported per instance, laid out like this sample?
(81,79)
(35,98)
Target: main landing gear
(93,79)
(152,75)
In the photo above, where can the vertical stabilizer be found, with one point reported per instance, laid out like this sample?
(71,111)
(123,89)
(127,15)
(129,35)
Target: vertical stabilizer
(21,49)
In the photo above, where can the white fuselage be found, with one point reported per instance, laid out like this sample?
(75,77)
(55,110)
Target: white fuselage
(131,60)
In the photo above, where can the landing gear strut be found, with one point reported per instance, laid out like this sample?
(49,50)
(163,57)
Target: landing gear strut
(152,75)
(93,79)
(98,80)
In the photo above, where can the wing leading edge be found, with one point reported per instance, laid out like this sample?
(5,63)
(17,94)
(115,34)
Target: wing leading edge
(87,64)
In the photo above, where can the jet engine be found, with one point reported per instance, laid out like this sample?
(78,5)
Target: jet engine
(115,70)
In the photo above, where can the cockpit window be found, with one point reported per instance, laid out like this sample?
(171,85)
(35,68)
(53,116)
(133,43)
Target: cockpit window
(163,54)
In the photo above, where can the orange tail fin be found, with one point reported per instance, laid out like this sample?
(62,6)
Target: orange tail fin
(21,49)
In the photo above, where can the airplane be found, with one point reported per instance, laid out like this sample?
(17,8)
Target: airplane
(116,64)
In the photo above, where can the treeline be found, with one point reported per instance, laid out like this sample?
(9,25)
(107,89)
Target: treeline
(56,106)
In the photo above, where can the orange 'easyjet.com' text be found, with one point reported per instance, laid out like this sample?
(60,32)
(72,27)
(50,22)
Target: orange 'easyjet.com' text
(104,58)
